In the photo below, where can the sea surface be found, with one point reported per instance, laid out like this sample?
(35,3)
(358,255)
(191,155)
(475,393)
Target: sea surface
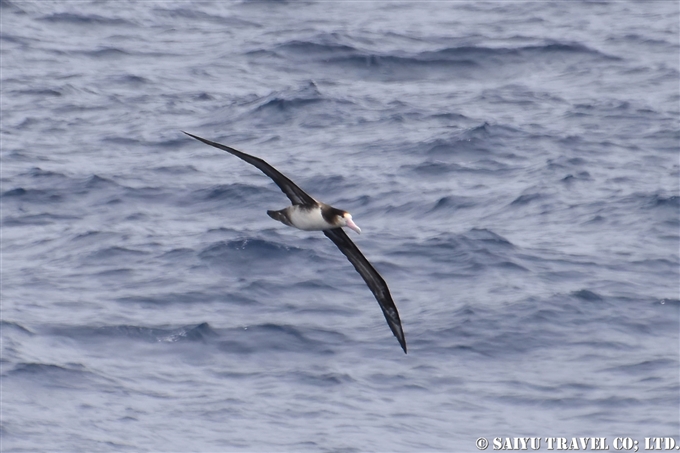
(514,168)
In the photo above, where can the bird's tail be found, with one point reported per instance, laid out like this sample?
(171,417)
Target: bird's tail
(280,216)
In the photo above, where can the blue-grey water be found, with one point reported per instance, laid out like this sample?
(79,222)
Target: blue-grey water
(514,168)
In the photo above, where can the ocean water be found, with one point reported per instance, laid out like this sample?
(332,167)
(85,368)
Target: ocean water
(514,168)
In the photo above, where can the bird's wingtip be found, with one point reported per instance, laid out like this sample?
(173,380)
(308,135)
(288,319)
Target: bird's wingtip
(201,139)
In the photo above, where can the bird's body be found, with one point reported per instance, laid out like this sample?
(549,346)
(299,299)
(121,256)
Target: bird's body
(317,217)
(303,217)
(308,214)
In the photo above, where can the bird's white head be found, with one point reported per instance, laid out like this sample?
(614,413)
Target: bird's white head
(347,221)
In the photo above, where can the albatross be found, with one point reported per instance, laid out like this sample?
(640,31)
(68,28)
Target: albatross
(306,213)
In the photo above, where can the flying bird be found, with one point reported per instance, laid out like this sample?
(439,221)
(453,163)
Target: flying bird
(306,213)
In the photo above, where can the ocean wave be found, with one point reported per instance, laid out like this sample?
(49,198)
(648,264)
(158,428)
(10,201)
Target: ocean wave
(465,61)
(53,376)
(37,219)
(277,338)
(527,198)
(32,195)
(440,168)
(191,14)
(646,367)
(244,250)
(109,254)
(324,48)
(452,203)
(466,253)
(85,19)
(587,295)
(234,193)
(16,327)
(485,145)
(284,106)
(191,333)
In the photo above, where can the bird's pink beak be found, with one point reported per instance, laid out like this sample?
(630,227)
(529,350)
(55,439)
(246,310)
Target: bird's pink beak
(352,225)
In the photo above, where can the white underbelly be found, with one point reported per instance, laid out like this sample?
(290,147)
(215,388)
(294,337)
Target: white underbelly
(310,220)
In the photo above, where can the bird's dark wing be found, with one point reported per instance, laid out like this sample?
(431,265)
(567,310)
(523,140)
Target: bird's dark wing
(292,191)
(372,278)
